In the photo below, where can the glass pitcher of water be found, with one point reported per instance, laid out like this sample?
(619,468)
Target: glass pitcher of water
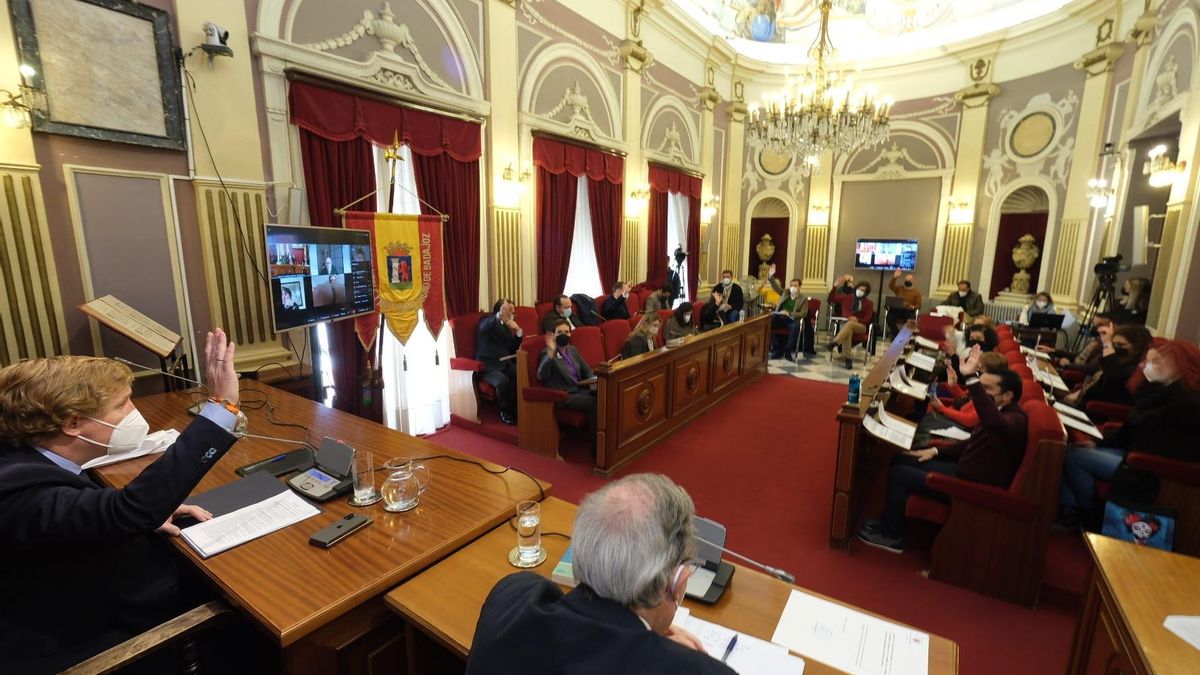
(405,484)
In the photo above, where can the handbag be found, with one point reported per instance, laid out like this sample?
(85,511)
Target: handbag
(1140,524)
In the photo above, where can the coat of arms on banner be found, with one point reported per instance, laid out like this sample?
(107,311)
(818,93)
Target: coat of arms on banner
(399,265)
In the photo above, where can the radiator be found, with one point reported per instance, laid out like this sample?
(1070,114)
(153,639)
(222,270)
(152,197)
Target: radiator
(1002,313)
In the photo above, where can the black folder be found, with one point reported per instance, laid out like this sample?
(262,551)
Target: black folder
(241,493)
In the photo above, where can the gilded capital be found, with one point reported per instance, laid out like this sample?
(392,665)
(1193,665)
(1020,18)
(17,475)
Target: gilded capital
(1101,59)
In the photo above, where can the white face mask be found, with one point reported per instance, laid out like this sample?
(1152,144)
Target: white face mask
(727,281)
(795,290)
(1154,373)
(687,318)
(1042,304)
(860,293)
(127,434)
(962,294)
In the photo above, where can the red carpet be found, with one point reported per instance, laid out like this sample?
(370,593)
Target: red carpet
(774,490)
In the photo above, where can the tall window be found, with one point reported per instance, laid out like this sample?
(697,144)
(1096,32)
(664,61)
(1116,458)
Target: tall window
(583,272)
(677,224)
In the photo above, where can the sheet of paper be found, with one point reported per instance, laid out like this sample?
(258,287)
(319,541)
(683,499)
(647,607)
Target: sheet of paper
(923,361)
(952,432)
(1057,382)
(849,640)
(238,527)
(925,343)
(901,425)
(896,379)
(1085,427)
(750,656)
(155,442)
(1186,627)
(951,311)
(1073,412)
(878,430)
(1035,353)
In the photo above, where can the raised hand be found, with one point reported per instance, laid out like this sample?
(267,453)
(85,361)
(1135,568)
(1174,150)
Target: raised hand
(896,274)
(222,378)
(970,365)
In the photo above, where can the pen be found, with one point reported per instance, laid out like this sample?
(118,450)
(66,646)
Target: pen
(729,649)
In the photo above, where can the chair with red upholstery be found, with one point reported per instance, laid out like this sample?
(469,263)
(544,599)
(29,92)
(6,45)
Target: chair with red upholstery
(993,540)
(600,307)
(1008,345)
(464,330)
(614,333)
(527,319)
(664,315)
(1014,357)
(538,419)
(635,300)
(1031,390)
(1004,331)
(542,309)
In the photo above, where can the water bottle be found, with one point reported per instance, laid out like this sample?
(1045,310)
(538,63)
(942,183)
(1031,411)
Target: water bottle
(855,389)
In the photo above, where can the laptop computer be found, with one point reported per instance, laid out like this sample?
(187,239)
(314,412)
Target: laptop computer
(1054,321)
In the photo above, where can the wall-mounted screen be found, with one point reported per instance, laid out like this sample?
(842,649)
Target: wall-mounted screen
(318,274)
(886,254)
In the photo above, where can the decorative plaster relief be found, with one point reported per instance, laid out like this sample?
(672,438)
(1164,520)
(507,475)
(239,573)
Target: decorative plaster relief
(765,170)
(1033,141)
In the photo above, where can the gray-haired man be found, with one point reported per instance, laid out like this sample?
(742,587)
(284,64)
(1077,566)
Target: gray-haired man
(633,543)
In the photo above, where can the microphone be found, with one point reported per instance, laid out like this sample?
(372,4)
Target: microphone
(773,571)
(159,370)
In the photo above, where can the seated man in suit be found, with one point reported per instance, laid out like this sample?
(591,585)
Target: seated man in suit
(633,545)
(966,298)
(991,455)
(84,567)
(497,341)
(561,310)
(659,299)
(614,306)
(860,312)
(561,367)
(735,300)
(792,314)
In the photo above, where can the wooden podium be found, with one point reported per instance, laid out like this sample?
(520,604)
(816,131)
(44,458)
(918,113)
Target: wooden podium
(144,332)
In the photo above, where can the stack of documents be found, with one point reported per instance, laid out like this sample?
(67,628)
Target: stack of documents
(890,428)
(1051,378)
(1077,419)
(902,384)
(849,640)
(923,361)
(925,343)
(951,311)
(750,656)
(155,442)
(243,510)
(1035,353)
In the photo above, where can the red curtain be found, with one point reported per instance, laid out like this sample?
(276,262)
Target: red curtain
(656,243)
(341,116)
(577,160)
(604,200)
(555,228)
(452,187)
(335,174)
(666,179)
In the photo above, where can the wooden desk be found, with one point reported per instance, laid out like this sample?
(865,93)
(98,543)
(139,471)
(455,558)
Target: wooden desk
(317,602)
(444,601)
(1131,590)
(644,398)
(851,474)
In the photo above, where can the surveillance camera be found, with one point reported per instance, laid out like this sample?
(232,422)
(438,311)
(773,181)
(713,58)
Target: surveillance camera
(215,39)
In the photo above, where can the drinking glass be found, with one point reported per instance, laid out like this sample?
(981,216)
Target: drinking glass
(365,493)
(405,484)
(529,551)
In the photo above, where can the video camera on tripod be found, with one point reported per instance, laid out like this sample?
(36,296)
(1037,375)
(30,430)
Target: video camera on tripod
(1107,268)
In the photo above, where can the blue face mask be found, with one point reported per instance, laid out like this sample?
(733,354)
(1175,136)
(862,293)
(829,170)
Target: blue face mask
(566,313)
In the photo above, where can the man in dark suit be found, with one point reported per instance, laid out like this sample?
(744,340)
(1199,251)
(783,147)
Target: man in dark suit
(561,310)
(991,455)
(499,337)
(633,544)
(84,567)
(327,267)
(735,301)
(966,298)
(561,367)
(614,306)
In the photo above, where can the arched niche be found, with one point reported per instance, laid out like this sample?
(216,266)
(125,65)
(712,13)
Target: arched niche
(1023,211)
(669,133)
(776,213)
(565,91)
(1171,71)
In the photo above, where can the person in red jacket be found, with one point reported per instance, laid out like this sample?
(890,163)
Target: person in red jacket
(991,455)
(858,309)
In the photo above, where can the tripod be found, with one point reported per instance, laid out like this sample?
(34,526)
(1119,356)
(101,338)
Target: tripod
(1103,299)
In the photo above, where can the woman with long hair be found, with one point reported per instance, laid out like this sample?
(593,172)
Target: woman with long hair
(1134,301)
(681,324)
(1123,348)
(644,337)
(1165,420)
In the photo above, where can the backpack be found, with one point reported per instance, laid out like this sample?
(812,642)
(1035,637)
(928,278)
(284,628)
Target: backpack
(588,315)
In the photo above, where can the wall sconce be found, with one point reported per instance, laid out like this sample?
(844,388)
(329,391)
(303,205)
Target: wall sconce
(1163,172)
(709,209)
(18,108)
(642,193)
(961,213)
(509,174)
(1099,194)
(818,214)
(637,201)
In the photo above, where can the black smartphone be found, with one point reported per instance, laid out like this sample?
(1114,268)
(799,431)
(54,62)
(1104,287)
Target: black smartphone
(338,530)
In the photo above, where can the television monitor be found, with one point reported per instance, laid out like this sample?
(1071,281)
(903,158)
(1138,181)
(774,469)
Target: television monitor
(318,274)
(886,254)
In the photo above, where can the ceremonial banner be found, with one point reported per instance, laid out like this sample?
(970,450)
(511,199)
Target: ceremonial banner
(407,256)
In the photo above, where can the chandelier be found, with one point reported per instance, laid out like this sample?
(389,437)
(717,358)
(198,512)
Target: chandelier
(820,112)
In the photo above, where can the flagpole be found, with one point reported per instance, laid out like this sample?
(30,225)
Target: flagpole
(392,155)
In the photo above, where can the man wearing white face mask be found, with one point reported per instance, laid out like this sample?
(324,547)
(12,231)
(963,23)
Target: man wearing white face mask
(61,529)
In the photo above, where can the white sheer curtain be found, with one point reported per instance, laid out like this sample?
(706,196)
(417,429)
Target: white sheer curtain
(416,376)
(583,273)
(678,208)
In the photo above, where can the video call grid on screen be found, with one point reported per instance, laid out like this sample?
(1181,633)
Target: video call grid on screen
(886,254)
(318,274)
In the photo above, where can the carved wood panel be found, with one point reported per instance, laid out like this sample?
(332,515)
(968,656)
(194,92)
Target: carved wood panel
(690,382)
(642,405)
(726,363)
